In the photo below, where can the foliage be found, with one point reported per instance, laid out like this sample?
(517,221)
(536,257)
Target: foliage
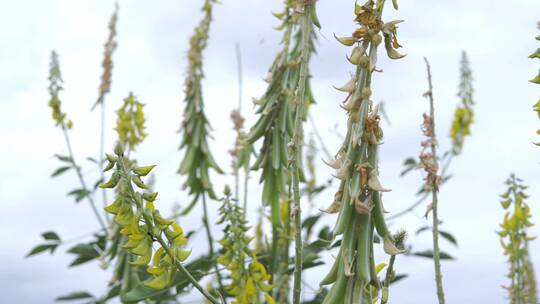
(197,159)
(515,242)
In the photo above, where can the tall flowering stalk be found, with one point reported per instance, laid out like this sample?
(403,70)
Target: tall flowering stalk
(134,211)
(308,19)
(130,123)
(247,284)
(282,109)
(429,161)
(55,86)
(463,115)
(105,87)
(358,200)
(515,242)
(461,128)
(198,159)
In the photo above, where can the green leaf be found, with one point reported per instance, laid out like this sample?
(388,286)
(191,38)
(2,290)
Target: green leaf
(398,277)
(64,158)
(429,254)
(449,237)
(78,295)
(79,194)
(422,229)
(50,236)
(60,170)
(84,249)
(41,248)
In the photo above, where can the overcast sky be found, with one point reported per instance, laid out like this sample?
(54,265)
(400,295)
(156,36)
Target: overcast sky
(150,61)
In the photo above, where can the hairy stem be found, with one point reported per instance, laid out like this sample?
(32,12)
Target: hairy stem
(100,159)
(297,141)
(211,242)
(434,191)
(81,178)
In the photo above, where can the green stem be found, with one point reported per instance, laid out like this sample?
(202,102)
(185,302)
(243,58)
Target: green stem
(100,159)
(81,178)
(211,242)
(434,191)
(297,136)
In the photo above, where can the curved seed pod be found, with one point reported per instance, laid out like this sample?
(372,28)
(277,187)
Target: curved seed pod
(362,259)
(332,274)
(347,41)
(378,216)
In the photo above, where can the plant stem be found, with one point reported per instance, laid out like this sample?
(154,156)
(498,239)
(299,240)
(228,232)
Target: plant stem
(211,241)
(436,250)
(319,137)
(100,159)
(297,141)
(81,178)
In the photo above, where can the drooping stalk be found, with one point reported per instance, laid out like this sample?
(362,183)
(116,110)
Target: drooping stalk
(198,160)
(142,223)
(358,199)
(431,166)
(55,86)
(104,89)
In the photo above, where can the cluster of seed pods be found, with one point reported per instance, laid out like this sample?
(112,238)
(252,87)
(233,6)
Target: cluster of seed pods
(358,200)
